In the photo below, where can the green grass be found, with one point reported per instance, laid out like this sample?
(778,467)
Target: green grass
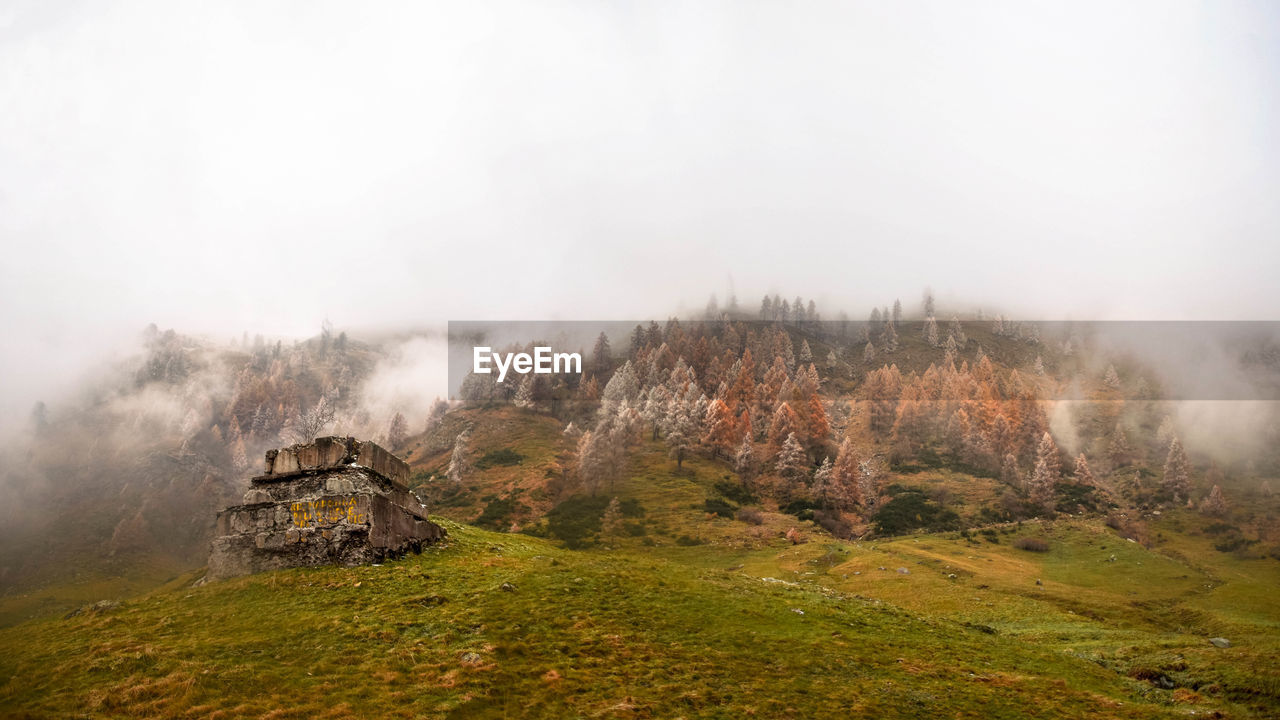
(666,634)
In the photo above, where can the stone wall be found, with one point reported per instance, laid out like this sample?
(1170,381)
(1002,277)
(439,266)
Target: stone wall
(336,500)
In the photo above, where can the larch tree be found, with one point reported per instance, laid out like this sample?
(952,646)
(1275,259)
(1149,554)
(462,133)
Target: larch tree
(1010,474)
(825,492)
(679,429)
(436,414)
(957,331)
(869,353)
(1047,473)
(806,353)
(722,430)
(524,395)
(1119,451)
(1214,505)
(601,356)
(1083,474)
(1177,471)
(460,461)
(792,466)
(611,522)
(398,431)
(844,474)
(931,331)
(1111,378)
(744,462)
(785,423)
(890,338)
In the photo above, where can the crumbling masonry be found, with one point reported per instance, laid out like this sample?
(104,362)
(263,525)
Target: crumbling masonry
(336,500)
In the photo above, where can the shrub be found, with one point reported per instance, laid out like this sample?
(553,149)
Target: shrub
(687,541)
(577,520)
(802,509)
(631,508)
(909,511)
(495,458)
(735,492)
(498,514)
(1031,544)
(834,523)
(751,516)
(717,506)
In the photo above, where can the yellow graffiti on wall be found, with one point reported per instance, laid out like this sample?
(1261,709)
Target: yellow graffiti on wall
(326,511)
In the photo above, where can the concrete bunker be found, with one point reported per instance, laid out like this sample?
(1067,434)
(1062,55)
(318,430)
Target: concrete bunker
(332,501)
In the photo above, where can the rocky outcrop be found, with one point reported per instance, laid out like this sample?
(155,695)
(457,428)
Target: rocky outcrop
(336,500)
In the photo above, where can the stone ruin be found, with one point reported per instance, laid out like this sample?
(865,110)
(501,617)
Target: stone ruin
(336,500)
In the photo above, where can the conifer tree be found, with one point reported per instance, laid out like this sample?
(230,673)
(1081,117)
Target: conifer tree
(1083,474)
(601,356)
(825,492)
(744,462)
(1119,452)
(1110,377)
(957,331)
(1009,472)
(398,431)
(890,338)
(897,311)
(869,353)
(722,429)
(931,331)
(845,475)
(1177,471)
(785,423)
(1047,473)
(792,465)
(806,353)
(1214,505)
(459,462)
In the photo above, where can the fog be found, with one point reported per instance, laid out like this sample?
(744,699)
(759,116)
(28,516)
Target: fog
(233,167)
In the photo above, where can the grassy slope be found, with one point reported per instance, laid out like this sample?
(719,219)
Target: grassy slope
(649,628)
(672,632)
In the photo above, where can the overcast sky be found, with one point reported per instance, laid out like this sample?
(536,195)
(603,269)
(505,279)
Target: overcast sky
(219,167)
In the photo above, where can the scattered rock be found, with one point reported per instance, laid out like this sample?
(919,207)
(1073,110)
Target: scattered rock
(1038,582)
(471,658)
(507,587)
(904,571)
(1220,642)
(99,607)
(797,611)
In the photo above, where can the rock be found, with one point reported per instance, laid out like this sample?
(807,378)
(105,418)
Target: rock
(797,611)
(471,658)
(1038,582)
(904,571)
(1220,642)
(99,607)
(507,587)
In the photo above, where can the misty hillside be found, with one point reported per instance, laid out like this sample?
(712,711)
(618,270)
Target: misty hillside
(996,514)
(868,428)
